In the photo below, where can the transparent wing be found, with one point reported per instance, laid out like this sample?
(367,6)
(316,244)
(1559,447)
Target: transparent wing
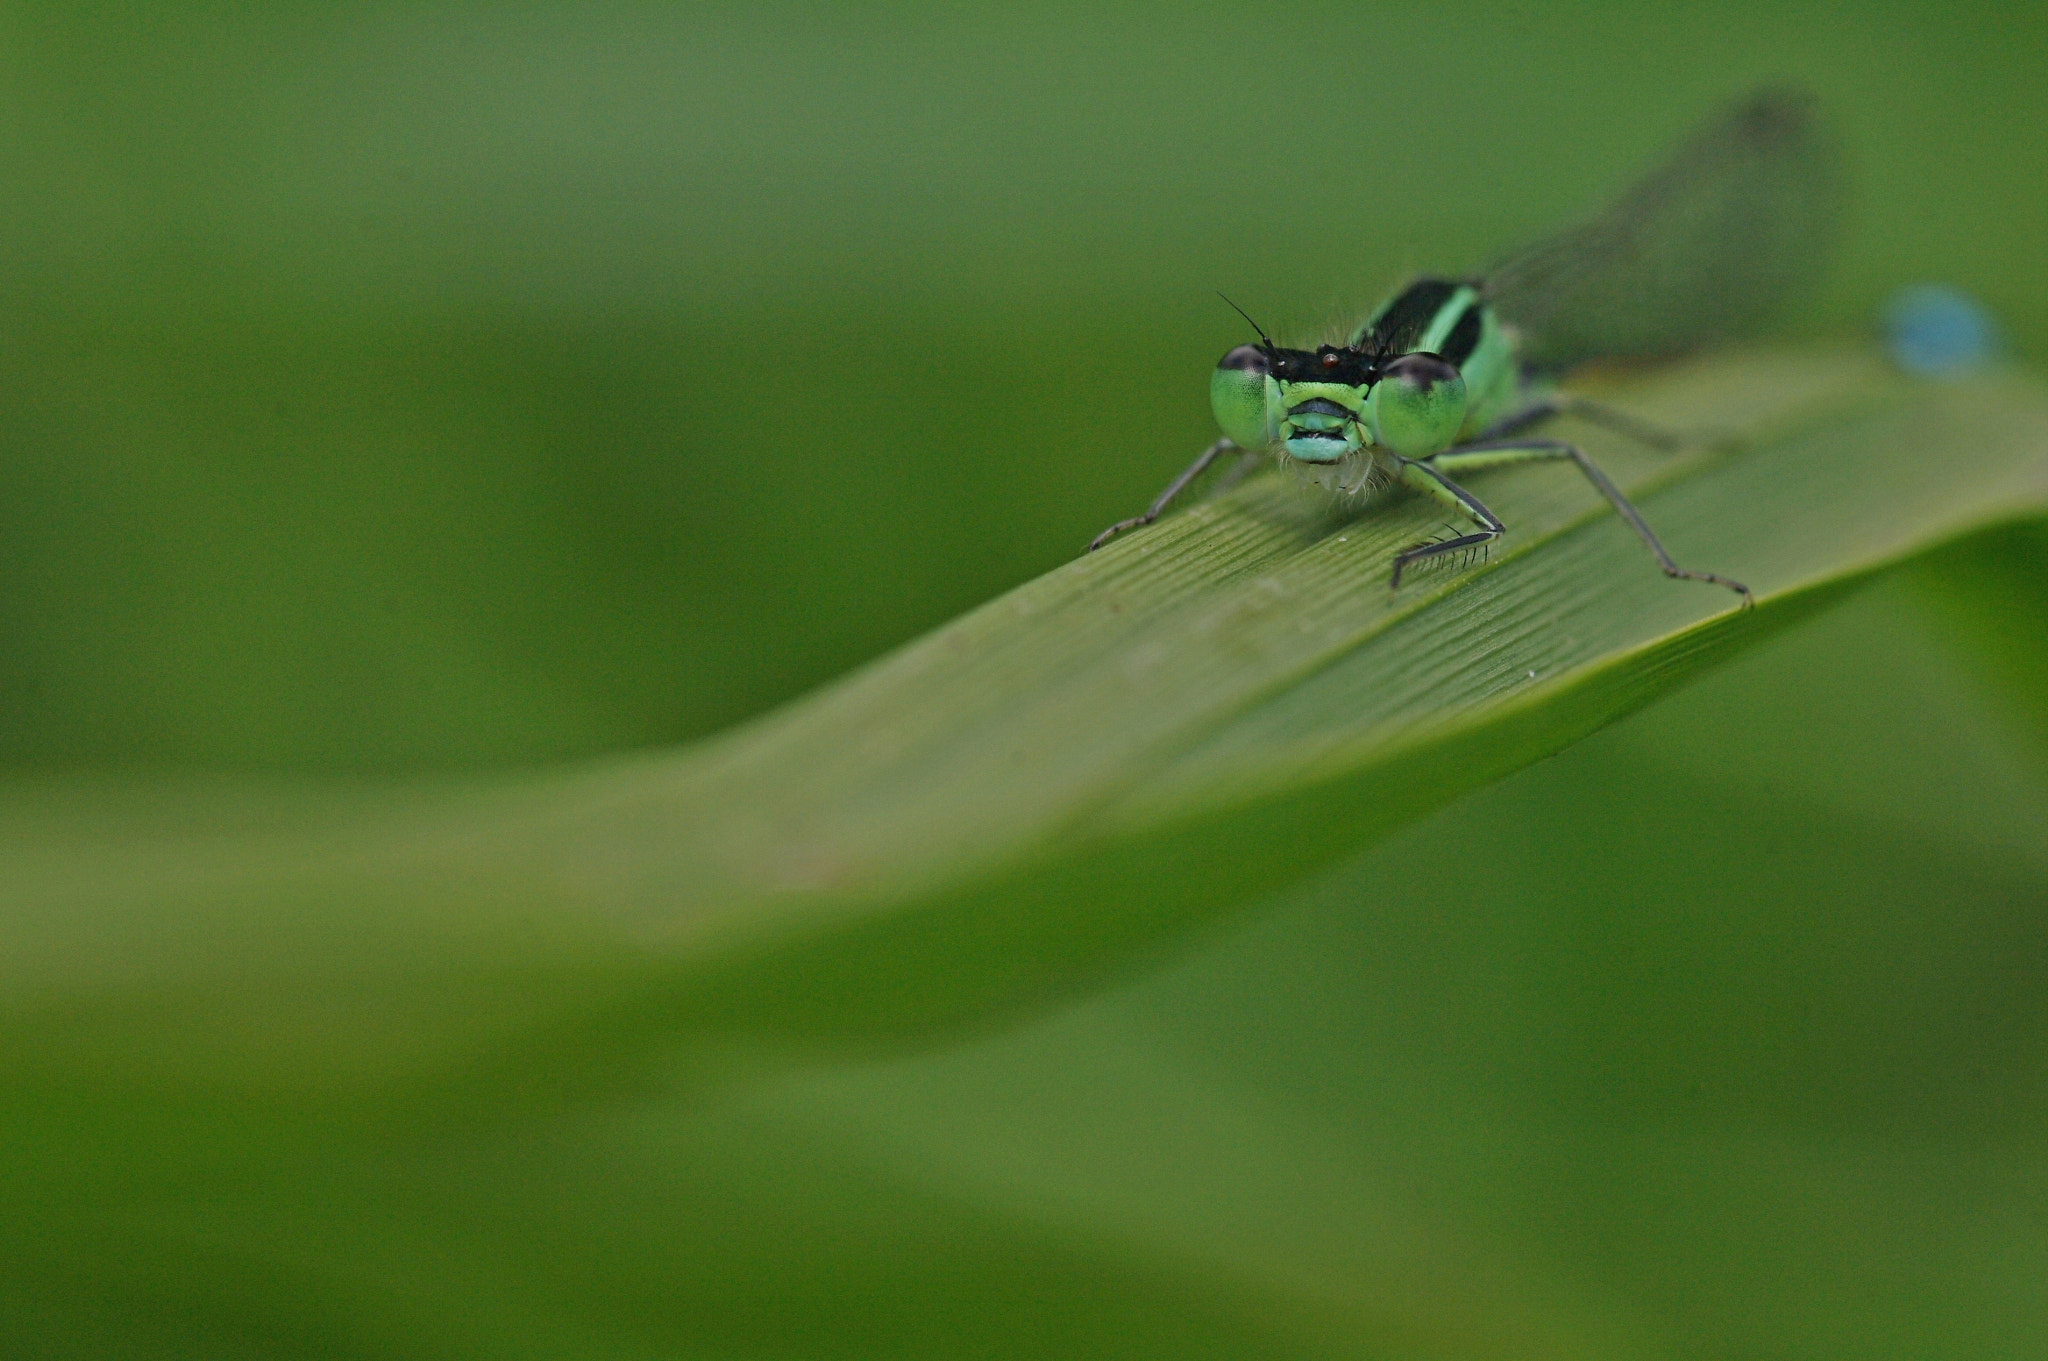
(1704,247)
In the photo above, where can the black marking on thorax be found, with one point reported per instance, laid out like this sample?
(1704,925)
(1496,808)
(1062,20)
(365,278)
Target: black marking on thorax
(1464,337)
(1400,325)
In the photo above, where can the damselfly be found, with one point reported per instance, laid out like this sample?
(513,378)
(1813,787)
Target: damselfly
(1445,378)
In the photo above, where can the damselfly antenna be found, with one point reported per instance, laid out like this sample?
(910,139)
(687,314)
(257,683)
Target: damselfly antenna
(1248,317)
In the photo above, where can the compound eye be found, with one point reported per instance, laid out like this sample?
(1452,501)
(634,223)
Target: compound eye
(1237,394)
(1246,359)
(1417,406)
(1422,371)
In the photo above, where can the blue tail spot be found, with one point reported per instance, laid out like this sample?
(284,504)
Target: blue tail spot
(1938,332)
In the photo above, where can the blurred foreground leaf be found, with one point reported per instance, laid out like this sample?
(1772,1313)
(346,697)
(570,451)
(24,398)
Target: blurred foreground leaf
(1006,809)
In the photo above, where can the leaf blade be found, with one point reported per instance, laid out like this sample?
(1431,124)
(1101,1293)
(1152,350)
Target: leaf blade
(1010,806)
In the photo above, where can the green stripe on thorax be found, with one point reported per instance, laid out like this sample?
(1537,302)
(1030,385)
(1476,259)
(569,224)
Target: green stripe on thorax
(1447,316)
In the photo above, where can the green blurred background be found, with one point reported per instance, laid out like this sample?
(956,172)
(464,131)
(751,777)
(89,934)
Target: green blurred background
(400,388)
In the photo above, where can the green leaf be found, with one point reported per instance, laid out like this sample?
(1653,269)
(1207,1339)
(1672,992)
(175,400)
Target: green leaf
(1011,807)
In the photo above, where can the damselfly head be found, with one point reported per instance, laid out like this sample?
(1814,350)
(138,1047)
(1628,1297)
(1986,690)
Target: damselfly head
(1309,404)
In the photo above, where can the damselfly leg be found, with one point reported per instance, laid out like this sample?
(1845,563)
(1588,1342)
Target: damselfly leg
(1431,481)
(1593,413)
(1505,453)
(1165,498)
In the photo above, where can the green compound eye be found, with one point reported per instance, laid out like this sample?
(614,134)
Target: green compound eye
(1237,394)
(1417,406)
